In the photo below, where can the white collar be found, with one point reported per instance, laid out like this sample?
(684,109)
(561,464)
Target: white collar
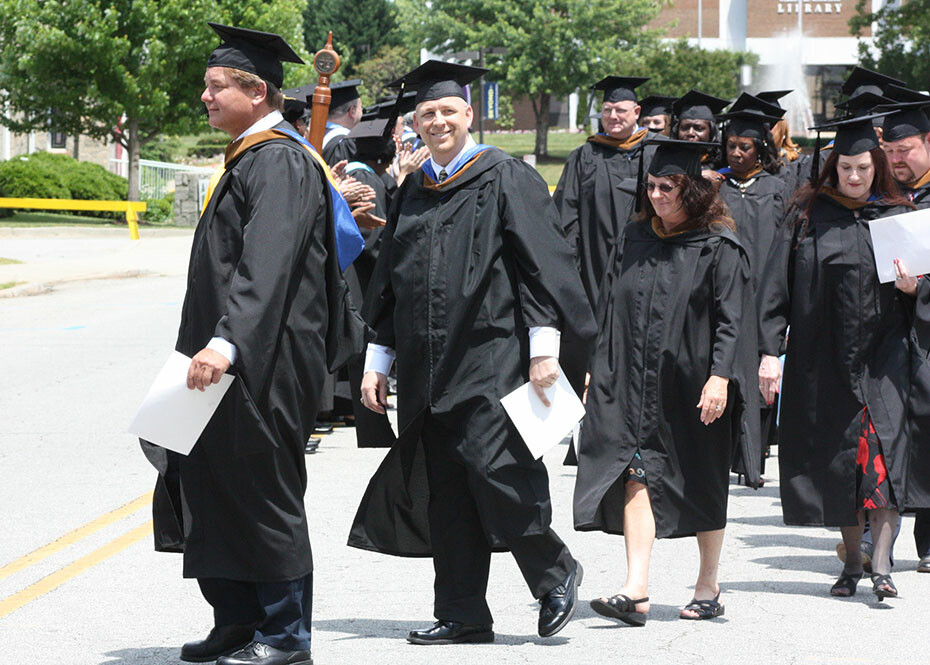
(456,162)
(264,123)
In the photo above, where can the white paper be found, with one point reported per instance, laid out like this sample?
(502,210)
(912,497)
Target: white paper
(541,427)
(173,416)
(905,237)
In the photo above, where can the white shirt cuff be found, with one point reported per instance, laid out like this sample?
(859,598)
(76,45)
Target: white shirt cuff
(544,341)
(379,359)
(224,348)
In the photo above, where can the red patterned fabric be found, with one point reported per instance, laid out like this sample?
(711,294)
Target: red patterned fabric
(874,488)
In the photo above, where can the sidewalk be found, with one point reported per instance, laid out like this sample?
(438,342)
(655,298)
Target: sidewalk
(58,254)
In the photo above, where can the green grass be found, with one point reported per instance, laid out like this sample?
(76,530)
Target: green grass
(560,145)
(8,262)
(9,285)
(21,218)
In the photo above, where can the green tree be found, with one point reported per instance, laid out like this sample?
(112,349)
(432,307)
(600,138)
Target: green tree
(361,28)
(677,66)
(553,46)
(901,46)
(390,63)
(124,69)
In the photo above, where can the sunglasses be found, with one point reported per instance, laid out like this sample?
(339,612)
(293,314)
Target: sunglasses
(664,187)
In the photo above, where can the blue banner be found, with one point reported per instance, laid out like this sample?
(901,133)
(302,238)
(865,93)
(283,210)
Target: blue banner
(489,99)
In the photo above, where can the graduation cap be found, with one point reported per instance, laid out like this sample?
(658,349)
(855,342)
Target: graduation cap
(907,119)
(373,138)
(750,116)
(344,92)
(297,102)
(435,79)
(253,51)
(695,105)
(656,105)
(619,88)
(901,94)
(854,136)
(865,80)
(385,106)
(862,103)
(772,96)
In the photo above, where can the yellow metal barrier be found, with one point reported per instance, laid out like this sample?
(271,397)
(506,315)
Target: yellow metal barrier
(131,208)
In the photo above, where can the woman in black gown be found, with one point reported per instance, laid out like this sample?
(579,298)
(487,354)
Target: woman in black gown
(672,387)
(852,376)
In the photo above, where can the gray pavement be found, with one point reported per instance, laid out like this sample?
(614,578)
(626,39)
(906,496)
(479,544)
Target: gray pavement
(75,364)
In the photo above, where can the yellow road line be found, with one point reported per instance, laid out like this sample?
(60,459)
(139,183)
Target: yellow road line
(56,579)
(78,534)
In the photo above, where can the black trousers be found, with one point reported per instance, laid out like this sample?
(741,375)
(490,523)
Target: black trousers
(922,532)
(281,610)
(461,551)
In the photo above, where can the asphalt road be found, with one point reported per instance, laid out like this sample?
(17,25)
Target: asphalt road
(80,584)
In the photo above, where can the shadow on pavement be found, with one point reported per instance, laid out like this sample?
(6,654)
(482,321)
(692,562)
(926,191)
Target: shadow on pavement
(788,538)
(826,563)
(394,629)
(769,490)
(144,656)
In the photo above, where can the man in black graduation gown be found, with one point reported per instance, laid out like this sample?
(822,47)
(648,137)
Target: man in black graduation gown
(473,282)
(905,142)
(596,195)
(345,112)
(266,302)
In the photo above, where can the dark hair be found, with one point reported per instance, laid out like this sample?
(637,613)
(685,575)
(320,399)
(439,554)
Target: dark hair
(883,185)
(713,156)
(766,151)
(700,201)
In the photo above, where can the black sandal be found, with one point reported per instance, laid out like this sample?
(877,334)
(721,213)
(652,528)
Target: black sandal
(621,607)
(845,582)
(883,587)
(705,609)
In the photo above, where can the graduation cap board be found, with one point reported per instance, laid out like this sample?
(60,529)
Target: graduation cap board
(696,105)
(656,105)
(862,103)
(619,88)
(435,79)
(772,96)
(751,117)
(854,136)
(908,119)
(344,92)
(865,80)
(297,102)
(253,51)
(373,138)
(901,94)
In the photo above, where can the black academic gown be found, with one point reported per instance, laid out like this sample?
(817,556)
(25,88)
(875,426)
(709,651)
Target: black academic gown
(465,269)
(263,274)
(672,313)
(852,345)
(372,430)
(339,148)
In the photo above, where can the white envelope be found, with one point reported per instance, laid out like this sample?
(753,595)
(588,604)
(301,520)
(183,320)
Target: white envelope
(905,237)
(173,416)
(543,427)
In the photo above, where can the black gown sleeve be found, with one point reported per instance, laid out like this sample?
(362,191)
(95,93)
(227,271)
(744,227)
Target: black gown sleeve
(731,278)
(550,289)
(566,198)
(283,200)
(378,310)
(774,297)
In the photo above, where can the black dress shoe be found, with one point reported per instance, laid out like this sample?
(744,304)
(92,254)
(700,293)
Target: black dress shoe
(451,632)
(322,428)
(558,606)
(312,445)
(257,653)
(222,640)
(923,566)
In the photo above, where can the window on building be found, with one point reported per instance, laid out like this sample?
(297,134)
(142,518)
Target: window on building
(57,140)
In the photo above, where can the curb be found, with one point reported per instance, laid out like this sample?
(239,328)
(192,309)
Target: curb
(41,288)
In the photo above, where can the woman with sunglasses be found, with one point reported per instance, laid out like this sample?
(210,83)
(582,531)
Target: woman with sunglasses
(672,387)
(852,379)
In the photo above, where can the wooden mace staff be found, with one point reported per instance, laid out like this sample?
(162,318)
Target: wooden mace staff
(326,63)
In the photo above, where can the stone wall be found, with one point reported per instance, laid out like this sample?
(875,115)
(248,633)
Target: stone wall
(186,198)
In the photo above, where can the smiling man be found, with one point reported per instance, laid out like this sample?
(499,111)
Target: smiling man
(266,302)
(473,283)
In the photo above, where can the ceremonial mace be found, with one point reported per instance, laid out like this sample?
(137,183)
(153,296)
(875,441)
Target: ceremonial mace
(326,62)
